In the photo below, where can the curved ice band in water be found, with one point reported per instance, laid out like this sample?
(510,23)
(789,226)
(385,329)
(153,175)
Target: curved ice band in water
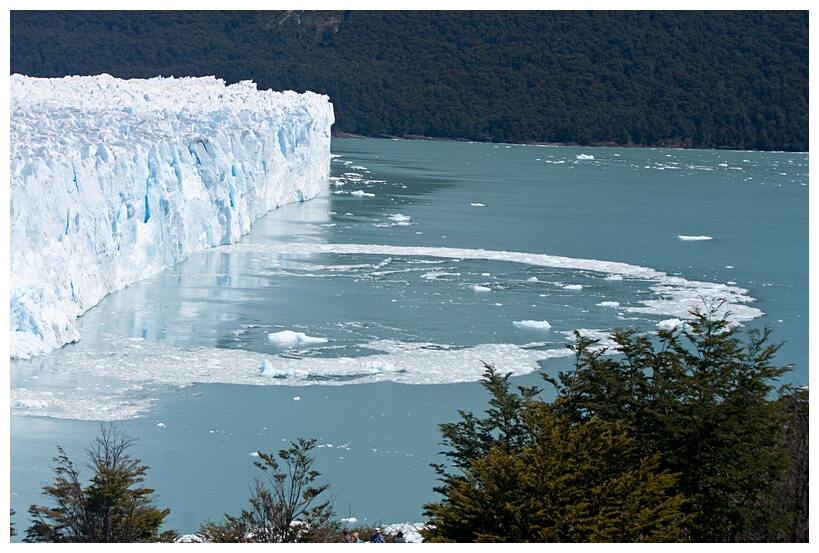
(676,296)
(139,365)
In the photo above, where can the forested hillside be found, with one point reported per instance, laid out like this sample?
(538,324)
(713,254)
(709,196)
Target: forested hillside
(715,79)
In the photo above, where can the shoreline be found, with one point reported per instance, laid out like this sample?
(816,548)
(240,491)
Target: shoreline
(631,145)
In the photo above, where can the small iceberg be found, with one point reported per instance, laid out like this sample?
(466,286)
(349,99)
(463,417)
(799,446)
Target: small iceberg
(290,337)
(693,238)
(266,369)
(400,220)
(535,325)
(673,324)
(585,156)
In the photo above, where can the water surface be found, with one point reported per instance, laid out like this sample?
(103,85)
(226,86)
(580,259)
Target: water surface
(420,261)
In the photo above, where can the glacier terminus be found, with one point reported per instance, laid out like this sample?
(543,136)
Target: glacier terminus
(113,180)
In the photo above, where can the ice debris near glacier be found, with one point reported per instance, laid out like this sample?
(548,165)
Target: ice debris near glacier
(113,180)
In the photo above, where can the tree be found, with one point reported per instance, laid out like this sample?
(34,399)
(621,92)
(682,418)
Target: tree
(788,507)
(670,436)
(529,474)
(281,505)
(113,508)
(701,398)
(472,437)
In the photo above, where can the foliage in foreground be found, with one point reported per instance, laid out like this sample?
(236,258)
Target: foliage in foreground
(675,438)
(281,506)
(568,483)
(113,508)
(672,439)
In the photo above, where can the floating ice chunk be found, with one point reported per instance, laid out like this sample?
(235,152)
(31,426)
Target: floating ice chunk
(433,275)
(401,219)
(671,324)
(535,325)
(291,337)
(286,371)
(266,369)
(477,205)
(297,398)
(479,288)
(532,279)
(161,424)
(254,453)
(361,193)
(398,220)
(693,238)
(609,304)
(573,287)
(585,156)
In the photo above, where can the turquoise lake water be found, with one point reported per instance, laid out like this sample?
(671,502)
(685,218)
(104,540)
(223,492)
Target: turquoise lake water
(419,262)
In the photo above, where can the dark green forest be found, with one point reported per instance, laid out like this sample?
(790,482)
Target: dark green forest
(699,79)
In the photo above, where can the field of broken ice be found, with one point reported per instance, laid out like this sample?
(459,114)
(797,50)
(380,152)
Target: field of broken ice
(418,262)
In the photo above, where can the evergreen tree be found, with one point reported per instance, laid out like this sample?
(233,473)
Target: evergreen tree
(570,482)
(113,508)
(784,516)
(472,437)
(670,436)
(701,399)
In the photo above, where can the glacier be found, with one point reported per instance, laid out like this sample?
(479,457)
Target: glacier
(113,180)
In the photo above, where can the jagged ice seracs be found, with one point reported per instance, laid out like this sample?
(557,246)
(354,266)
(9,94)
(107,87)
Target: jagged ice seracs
(113,180)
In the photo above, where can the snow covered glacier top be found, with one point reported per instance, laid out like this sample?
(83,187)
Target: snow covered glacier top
(113,180)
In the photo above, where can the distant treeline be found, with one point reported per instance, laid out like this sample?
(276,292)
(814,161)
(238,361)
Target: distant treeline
(701,79)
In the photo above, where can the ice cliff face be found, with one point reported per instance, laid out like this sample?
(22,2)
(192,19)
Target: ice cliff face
(113,180)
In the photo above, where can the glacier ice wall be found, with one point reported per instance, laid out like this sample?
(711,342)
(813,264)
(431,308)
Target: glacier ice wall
(113,180)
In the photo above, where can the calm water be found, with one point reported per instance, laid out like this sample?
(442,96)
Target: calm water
(421,260)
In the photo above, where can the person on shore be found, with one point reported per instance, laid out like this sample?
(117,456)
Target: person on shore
(378,537)
(356,538)
(346,537)
(399,538)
